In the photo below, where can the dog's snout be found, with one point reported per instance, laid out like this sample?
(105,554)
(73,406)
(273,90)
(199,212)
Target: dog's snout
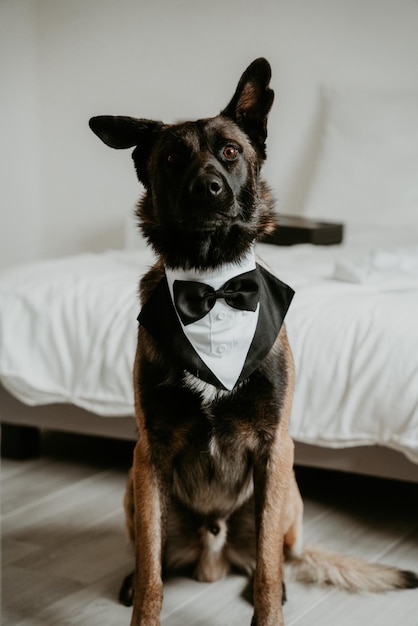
(206,185)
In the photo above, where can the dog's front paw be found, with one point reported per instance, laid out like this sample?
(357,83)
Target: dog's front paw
(126,593)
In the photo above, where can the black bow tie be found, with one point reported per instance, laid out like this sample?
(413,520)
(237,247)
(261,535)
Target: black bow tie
(194,300)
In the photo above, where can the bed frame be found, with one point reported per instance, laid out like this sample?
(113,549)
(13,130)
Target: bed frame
(21,425)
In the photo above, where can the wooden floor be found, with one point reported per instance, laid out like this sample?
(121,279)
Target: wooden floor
(65,552)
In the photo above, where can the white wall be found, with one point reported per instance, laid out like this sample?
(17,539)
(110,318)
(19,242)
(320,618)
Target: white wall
(20,135)
(61,62)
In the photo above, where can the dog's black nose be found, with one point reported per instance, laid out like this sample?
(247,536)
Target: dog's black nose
(206,185)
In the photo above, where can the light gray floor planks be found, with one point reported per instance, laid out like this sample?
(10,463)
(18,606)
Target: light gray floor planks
(64,549)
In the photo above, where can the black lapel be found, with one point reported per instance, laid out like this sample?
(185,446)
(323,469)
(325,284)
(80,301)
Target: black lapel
(159,318)
(275,299)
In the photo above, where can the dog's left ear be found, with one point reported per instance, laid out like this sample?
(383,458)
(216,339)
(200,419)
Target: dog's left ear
(252,102)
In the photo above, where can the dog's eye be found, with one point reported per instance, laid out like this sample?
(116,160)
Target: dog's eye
(230,152)
(173,158)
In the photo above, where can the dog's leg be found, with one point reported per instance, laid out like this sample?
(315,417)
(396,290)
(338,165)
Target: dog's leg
(148,530)
(293,539)
(274,513)
(126,590)
(271,484)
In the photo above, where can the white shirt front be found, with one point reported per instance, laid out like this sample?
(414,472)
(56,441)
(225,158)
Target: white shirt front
(223,337)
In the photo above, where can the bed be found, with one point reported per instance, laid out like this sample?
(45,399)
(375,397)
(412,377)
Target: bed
(68,326)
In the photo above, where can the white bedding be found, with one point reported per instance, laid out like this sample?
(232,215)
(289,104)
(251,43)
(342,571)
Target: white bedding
(68,334)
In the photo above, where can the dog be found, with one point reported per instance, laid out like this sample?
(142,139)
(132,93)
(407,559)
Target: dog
(212,486)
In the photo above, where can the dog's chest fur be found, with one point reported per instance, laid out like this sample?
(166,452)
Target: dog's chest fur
(209,443)
(213,481)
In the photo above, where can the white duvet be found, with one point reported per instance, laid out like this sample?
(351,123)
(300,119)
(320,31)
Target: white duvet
(68,333)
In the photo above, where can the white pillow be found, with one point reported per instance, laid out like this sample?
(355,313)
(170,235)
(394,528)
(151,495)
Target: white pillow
(367,167)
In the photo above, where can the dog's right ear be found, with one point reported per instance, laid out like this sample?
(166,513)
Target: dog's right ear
(120,132)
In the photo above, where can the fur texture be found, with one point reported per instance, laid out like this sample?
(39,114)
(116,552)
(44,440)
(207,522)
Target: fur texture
(212,487)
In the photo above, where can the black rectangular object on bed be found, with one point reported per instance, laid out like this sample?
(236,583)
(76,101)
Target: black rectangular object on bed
(292,229)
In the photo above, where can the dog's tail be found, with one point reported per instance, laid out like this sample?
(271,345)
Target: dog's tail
(316,565)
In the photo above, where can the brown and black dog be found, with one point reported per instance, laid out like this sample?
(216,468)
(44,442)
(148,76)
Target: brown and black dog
(212,485)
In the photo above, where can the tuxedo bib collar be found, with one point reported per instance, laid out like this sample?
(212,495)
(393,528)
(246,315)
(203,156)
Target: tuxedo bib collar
(225,346)
(222,337)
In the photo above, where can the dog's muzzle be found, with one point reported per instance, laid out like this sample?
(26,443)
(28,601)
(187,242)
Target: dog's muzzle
(209,192)
(206,186)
